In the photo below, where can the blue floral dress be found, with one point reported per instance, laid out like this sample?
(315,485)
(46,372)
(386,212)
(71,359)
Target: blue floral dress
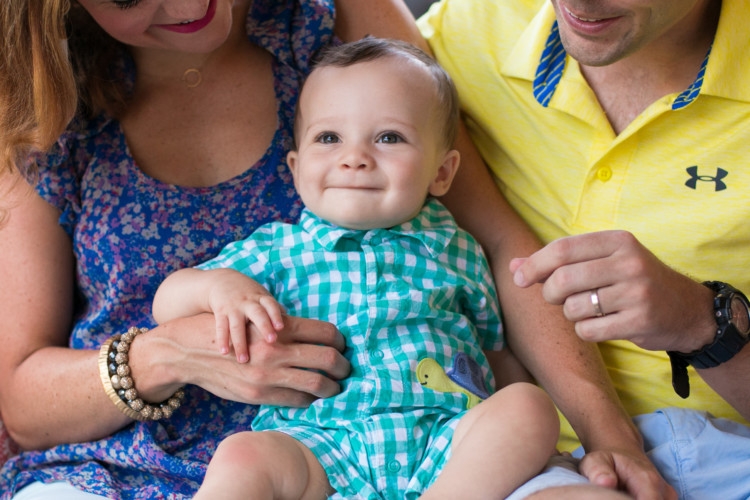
(129,231)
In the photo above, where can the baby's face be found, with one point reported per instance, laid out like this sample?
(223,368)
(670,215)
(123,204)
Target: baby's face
(369,143)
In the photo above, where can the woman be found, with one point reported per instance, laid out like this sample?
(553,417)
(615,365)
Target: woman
(174,104)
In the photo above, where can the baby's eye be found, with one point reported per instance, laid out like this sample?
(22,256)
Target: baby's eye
(126,4)
(328,138)
(390,138)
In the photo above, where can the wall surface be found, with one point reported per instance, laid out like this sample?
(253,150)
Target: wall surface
(419,7)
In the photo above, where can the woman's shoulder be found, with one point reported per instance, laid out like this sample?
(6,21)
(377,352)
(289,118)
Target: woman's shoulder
(84,139)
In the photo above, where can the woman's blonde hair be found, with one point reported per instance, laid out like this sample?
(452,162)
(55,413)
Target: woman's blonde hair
(54,62)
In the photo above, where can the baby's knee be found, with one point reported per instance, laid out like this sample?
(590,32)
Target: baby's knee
(530,403)
(245,449)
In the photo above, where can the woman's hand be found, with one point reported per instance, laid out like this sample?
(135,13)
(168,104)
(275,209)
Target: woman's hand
(303,364)
(640,299)
(235,299)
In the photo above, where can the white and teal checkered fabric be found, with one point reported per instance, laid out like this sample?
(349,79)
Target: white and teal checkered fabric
(419,290)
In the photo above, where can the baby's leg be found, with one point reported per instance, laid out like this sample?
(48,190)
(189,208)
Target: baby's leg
(578,492)
(263,465)
(499,444)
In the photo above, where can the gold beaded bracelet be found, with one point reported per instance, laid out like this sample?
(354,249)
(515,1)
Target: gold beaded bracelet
(119,385)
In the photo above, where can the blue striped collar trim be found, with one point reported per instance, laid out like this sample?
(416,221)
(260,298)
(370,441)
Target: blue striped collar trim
(693,90)
(552,63)
(550,69)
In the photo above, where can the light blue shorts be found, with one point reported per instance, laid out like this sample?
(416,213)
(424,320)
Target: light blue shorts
(702,457)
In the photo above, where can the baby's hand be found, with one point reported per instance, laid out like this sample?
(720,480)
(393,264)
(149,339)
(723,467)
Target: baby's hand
(236,301)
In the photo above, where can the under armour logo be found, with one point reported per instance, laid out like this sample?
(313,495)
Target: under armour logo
(694,178)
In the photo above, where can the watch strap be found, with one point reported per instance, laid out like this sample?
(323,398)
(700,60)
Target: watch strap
(680,379)
(726,344)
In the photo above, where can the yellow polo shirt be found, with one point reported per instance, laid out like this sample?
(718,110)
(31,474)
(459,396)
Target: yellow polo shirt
(678,177)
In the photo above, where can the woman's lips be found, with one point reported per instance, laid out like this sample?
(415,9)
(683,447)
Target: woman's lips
(195,25)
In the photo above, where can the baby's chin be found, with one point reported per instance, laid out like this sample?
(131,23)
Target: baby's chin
(358,225)
(365,224)
(366,216)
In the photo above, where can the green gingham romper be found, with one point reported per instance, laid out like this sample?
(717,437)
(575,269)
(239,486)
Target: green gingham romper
(419,290)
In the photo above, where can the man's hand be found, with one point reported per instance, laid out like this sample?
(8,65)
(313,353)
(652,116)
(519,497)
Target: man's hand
(613,288)
(635,475)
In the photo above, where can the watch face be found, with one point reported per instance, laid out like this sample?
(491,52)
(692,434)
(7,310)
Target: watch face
(740,316)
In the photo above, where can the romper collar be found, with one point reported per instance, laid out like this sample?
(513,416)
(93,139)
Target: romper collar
(433,227)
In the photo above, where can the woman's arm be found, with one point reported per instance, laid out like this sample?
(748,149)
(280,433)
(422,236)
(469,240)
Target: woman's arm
(46,390)
(543,340)
(235,300)
(50,394)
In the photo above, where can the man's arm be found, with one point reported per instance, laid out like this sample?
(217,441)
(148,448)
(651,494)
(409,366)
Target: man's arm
(569,369)
(645,301)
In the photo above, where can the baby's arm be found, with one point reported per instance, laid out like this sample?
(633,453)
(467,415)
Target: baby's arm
(233,298)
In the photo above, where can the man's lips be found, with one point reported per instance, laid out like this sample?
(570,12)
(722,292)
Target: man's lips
(587,24)
(580,18)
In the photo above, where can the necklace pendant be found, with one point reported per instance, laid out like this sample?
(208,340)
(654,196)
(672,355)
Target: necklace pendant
(192,77)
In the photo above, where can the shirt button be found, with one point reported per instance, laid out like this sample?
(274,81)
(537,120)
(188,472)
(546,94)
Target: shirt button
(377,354)
(604,174)
(394,466)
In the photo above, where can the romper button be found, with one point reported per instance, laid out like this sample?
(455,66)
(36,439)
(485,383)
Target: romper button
(377,354)
(604,174)
(394,466)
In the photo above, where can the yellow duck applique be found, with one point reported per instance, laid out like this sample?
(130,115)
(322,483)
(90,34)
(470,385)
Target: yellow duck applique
(464,376)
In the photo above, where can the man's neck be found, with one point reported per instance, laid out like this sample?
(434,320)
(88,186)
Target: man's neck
(667,65)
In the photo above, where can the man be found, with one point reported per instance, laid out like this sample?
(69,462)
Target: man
(617,130)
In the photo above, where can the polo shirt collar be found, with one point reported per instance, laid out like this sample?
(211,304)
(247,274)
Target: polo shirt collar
(539,57)
(727,73)
(433,227)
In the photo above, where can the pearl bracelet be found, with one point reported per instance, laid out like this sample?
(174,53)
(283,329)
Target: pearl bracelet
(119,385)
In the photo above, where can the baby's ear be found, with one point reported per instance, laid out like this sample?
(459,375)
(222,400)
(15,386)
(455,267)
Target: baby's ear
(445,174)
(291,161)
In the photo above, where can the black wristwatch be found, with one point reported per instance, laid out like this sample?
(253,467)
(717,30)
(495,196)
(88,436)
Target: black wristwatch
(732,313)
